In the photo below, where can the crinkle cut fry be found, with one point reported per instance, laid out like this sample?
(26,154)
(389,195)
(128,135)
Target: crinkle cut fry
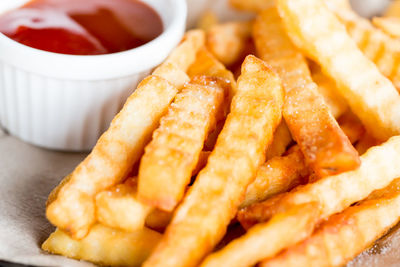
(201,220)
(346,234)
(326,148)
(71,204)
(335,193)
(170,158)
(282,139)
(277,175)
(228,41)
(105,246)
(207,64)
(120,208)
(328,89)
(267,239)
(317,31)
(379,47)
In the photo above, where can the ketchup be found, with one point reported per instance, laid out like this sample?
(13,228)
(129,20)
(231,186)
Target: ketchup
(82,27)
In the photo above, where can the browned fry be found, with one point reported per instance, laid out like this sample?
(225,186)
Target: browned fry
(105,246)
(158,220)
(393,10)
(327,88)
(326,148)
(202,219)
(185,54)
(346,234)
(366,142)
(71,205)
(351,126)
(252,5)
(278,175)
(335,193)
(207,20)
(282,139)
(119,207)
(212,137)
(379,47)
(390,25)
(267,239)
(317,31)
(170,158)
(207,64)
(228,41)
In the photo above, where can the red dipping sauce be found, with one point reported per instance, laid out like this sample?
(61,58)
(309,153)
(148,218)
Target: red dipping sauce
(82,27)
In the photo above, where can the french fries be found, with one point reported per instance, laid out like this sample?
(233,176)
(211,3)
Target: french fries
(282,139)
(335,193)
(201,220)
(379,47)
(351,126)
(228,41)
(206,64)
(325,147)
(170,158)
(277,175)
(264,240)
(390,25)
(320,34)
(120,208)
(200,158)
(327,88)
(207,20)
(71,205)
(345,235)
(105,246)
(252,5)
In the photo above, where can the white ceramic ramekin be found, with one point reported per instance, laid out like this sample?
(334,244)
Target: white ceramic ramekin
(66,102)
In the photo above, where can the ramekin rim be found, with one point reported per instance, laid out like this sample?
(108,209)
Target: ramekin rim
(169,38)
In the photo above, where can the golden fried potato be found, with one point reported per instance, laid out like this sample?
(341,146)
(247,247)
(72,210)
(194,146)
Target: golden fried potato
(267,239)
(371,96)
(351,126)
(252,5)
(169,160)
(393,10)
(282,139)
(277,175)
(202,219)
(119,207)
(105,246)
(228,41)
(207,20)
(345,235)
(378,169)
(327,88)
(185,53)
(390,25)
(379,47)
(207,64)
(325,147)
(71,205)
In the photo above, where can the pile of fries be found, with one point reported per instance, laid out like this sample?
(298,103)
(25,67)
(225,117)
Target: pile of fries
(290,157)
